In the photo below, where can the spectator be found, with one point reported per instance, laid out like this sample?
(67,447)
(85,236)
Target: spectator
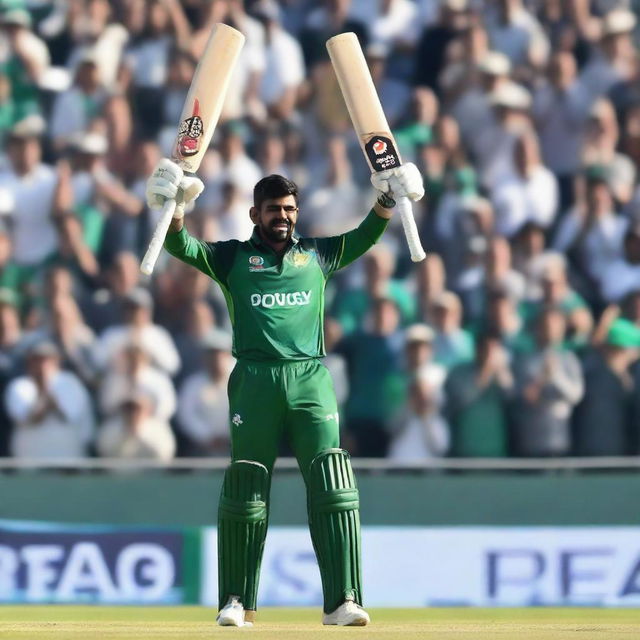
(106,306)
(555,292)
(600,151)
(136,434)
(376,383)
(419,339)
(603,420)
(203,407)
(32,185)
(453,19)
(529,194)
(65,328)
(612,61)
(132,372)
(284,69)
(471,107)
(476,405)
(331,205)
(421,431)
(74,109)
(592,234)
(453,345)
(416,129)
(528,245)
(622,276)
(50,409)
(147,58)
(356,304)
(154,339)
(516,32)
(549,383)
(198,321)
(25,59)
(560,110)
(494,148)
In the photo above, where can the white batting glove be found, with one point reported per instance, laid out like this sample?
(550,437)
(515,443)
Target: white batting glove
(404,181)
(168,182)
(163,183)
(190,188)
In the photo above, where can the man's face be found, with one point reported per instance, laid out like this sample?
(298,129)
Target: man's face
(276,218)
(24,154)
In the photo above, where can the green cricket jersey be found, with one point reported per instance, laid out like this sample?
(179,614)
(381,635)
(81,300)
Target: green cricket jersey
(276,302)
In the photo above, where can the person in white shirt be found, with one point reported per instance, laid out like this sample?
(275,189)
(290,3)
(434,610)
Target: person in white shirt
(422,432)
(472,108)
(50,408)
(622,276)
(516,32)
(594,232)
(74,109)
(154,339)
(135,434)
(614,60)
(32,187)
(133,372)
(203,407)
(494,144)
(284,69)
(529,194)
(560,111)
(600,148)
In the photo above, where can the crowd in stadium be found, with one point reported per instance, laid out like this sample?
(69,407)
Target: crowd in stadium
(519,335)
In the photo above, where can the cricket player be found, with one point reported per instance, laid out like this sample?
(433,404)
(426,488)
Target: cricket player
(274,287)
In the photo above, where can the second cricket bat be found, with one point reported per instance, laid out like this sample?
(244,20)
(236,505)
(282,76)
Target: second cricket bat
(199,118)
(370,123)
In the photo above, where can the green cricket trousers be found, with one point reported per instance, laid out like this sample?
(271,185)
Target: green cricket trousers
(268,401)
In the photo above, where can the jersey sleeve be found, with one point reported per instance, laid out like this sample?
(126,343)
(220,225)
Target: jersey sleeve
(213,258)
(337,252)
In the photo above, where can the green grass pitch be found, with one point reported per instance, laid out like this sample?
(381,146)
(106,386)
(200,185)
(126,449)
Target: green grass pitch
(165,623)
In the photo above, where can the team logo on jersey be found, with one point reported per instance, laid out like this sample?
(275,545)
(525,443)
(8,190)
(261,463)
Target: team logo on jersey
(237,420)
(300,259)
(256,263)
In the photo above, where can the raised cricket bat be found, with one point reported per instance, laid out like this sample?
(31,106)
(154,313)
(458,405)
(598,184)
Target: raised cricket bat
(198,120)
(370,122)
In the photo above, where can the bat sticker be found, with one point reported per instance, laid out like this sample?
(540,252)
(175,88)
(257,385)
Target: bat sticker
(381,153)
(188,142)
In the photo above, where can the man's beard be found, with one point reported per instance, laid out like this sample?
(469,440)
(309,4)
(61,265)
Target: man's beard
(276,235)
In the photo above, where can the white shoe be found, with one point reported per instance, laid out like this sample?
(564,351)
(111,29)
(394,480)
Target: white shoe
(232,614)
(348,614)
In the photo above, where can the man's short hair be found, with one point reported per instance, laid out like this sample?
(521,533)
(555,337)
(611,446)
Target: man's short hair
(273,186)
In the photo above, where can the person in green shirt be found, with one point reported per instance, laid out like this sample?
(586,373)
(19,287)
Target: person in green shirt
(274,285)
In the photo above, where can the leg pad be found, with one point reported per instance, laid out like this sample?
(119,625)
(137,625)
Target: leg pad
(334,522)
(242,528)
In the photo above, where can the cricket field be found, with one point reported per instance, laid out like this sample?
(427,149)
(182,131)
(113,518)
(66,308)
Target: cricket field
(165,623)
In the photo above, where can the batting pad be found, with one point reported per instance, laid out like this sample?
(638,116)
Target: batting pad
(242,528)
(334,522)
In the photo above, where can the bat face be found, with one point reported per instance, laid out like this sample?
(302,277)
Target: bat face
(381,152)
(204,101)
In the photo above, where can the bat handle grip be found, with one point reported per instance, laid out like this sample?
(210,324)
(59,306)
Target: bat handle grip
(410,230)
(157,240)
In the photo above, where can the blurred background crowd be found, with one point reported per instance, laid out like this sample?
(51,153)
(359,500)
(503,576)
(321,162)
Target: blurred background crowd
(519,335)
